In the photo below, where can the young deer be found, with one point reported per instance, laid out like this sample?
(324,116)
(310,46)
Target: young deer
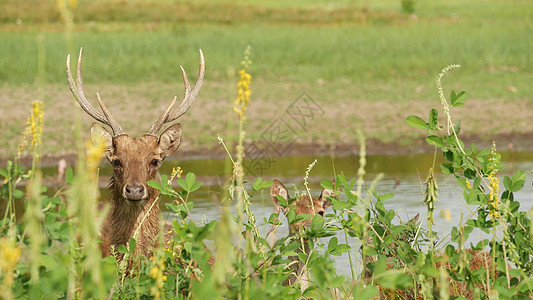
(134,161)
(303,205)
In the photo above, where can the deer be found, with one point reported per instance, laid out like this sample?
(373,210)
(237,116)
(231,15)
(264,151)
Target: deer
(303,205)
(134,208)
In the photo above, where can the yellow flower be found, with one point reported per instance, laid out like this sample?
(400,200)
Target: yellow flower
(9,255)
(176,172)
(446,214)
(154,271)
(95,150)
(243,86)
(36,123)
(494,185)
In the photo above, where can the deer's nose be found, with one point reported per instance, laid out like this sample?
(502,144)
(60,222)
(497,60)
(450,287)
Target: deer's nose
(134,192)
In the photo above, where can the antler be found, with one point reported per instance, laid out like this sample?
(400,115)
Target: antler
(79,95)
(188,99)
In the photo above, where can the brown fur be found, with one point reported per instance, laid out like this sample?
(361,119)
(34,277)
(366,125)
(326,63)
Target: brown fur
(135,162)
(304,205)
(136,166)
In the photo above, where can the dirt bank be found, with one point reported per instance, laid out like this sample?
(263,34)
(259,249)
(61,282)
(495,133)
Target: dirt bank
(504,142)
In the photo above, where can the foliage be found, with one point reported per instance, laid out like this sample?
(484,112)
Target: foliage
(408,6)
(52,252)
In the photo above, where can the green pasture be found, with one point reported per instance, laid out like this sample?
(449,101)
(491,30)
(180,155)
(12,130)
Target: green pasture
(337,51)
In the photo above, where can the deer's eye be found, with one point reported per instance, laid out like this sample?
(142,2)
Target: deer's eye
(154,162)
(116,163)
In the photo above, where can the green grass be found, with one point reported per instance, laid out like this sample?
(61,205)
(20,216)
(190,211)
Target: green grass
(363,55)
(339,52)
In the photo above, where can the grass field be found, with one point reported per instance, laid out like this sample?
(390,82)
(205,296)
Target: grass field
(367,64)
(358,55)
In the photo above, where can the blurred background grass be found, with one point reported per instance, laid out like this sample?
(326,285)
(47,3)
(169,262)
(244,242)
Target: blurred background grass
(340,52)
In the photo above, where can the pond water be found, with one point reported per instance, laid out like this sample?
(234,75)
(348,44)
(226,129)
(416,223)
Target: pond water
(403,176)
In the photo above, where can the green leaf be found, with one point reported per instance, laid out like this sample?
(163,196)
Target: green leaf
(17,194)
(190,179)
(327,184)
(332,245)
(462,182)
(447,168)
(470,173)
(416,122)
(455,99)
(518,180)
(291,216)
(155,184)
(260,184)
(195,186)
(317,223)
(458,127)
(387,196)
(122,249)
(164,182)
(435,140)
(4,173)
(132,244)
(69,176)
(340,205)
(507,182)
(433,119)
(183,184)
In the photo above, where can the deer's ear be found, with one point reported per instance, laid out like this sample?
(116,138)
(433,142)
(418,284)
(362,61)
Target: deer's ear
(170,140)
(326,193)
(99,134)
(278,189)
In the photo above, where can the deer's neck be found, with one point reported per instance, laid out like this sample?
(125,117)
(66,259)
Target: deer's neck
(126,221)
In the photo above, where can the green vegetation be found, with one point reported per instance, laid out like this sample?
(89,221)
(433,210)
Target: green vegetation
(343,53)
(52,252)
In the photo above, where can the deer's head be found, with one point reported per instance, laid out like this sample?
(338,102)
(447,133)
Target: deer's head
(303,205)
(135,160)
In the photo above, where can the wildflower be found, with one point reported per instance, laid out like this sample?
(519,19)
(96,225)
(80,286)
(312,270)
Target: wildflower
(9,255)
(24,141)
(446,214)
(243,86)
(156,272)
(176,172)
(439,86)
(95,150)
(36,123)
(494,185)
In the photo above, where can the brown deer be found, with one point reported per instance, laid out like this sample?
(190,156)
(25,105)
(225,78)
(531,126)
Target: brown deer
(303,205)
(134,161)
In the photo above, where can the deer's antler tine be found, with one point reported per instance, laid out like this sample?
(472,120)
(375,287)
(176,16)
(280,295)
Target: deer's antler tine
(117,130)
(157,124)
(190,95)
(188,99)
(82,101)
(79,95)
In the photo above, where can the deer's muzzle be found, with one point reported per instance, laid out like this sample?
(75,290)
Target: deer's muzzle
(134,192)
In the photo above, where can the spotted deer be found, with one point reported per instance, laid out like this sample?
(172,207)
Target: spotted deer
(135,161)
(303,205)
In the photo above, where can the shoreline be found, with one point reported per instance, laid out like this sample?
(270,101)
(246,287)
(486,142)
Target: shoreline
(519,142)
